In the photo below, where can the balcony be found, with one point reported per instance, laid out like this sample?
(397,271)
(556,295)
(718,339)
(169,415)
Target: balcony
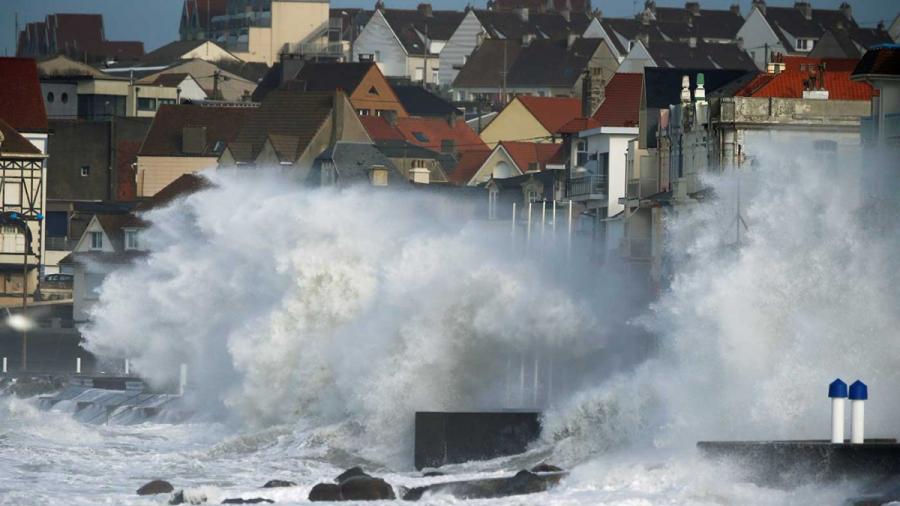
(58,244)
(314,49)
(587,188)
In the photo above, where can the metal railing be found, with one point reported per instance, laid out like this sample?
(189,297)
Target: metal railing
(586,185)
(57,244)
(332,49)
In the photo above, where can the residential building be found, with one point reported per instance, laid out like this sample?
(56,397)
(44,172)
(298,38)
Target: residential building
(795,31)
(187,88)
(693,54)
(560,6)
(80,36)
(843,42)
(216,82)
(365,85)
(542,67)
(479,25)
(74,90)
(418,101)
(291,128)
(357,163)
(693,22)
(407,43)
(187,50)
(531,119)
(185,139)
(22,196)
(196,18)
(512,159)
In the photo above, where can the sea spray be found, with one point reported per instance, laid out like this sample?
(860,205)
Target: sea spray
(758,318)
(359,306)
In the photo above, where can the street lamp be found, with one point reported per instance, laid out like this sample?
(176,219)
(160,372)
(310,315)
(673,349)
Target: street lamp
(20,221)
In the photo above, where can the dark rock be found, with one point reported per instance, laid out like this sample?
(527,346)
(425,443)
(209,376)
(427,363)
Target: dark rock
(278,484)
(350,473)
(156,487)
(177,498)
(325,492)
(365,488)
(546,468)
(432,474)
(255,500)
(524,482)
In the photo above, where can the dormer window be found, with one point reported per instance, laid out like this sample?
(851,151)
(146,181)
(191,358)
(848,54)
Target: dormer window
(804,44)
(96,240)
(131,240)
(373,91)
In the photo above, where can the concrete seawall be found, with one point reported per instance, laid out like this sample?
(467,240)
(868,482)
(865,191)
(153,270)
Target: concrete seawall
(454,438)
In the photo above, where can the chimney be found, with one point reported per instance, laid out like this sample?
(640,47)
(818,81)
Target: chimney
(566,11)
(193,140)
(650,5)
(390,116)
(646,17)
(846,10)
(685,89)
(700,91)
(523,14)
(527,39)
(735,9)
(451,120)
(740,43)
(805,8)
(693,8)
(425,10)
(692,42)
(760,5)
(490,5)
(570,40)
(379,5)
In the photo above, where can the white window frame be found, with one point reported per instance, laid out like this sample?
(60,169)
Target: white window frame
(96,240)
(132,242)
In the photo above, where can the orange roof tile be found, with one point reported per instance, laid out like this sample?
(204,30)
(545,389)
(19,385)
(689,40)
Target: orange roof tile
(430,132)
(620,107)
(21,101)
(379,129)
(467,165)
(552,112)
(524,154)
(791,83)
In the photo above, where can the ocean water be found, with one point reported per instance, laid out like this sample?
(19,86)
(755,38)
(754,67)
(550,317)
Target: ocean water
(315,323)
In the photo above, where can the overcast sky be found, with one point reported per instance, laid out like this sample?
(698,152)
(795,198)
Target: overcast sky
(155,22)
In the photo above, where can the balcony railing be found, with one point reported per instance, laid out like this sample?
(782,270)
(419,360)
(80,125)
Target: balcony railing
(586,186)
(57,244)
(330,49)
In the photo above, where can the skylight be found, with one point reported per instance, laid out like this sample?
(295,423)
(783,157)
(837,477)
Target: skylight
(420,137)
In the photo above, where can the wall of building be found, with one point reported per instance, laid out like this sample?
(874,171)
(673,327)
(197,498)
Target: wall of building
(190,90)
(209,52)
(383,100)
(758,38)
(60,99)
(498,165)
(416,64)
(295,21)
(156,172)
(514,123)
(459,47)
(378,39)
(616,147)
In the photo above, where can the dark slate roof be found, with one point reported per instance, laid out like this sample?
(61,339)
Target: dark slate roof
(170,80)
(165,135)
(509,25)
(411,25)
(662,86)
(270,81)
(542,5)
(333,76)
(704,55)
(881,60)
(403,149)
(484,68)
(420,102)
(353,160)
(171,52)
(681,23)
(792,21)
(629,29)
(289,117)
(551,63)
(249,70)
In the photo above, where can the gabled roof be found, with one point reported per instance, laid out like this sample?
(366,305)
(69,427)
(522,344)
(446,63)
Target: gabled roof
(533,155)
(331,76)
(882,60)
(790,20)
(621,105)
(552,25)
(165,135)
(662,87)
(12,142)
(430,132)
(485,67)
(289,118)
(21,100)
(77,35)
(629,29)
(551,63)
(172,80)
(710,55)
(171,52)
(552,112)
(792,83)
(412,26)
(420,102)
(681,23)
(467,165)
(379,129)
(182,186)
(543,5)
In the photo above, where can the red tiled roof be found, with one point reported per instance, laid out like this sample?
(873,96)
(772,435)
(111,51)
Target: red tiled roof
(552,112)
(791,83)
(21,104)
(831,64)
(14,143)
(620,107)
(379,129)
(429,132)
(524,154)
(467,165)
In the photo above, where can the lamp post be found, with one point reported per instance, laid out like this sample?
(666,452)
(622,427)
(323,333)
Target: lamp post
(20,221)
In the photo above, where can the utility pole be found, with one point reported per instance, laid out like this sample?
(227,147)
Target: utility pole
(215,85)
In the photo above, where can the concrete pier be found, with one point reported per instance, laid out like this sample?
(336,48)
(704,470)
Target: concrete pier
(783,463)
(454,438)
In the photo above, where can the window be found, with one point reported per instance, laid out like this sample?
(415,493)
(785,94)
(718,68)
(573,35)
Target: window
(329,176)
(166,101)
(12,194)
(131,239)
(363,112)
(435,75)
(64,98)
(96,240)
(420,164)
(85,170)
(146,104)
(804,44)
(377,56)
(419,74)
(373,91)
(420,137)
(50,97)
(379,175)
(13,241)
(219,147)
(581,153)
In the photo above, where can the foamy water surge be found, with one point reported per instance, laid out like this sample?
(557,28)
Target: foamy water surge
(315,323)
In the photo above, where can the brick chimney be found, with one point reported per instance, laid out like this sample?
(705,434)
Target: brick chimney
(523,14)
(425,10)
(735,9)
(846,10)
(760,5)
(693,8)
(805,8)
(651,6)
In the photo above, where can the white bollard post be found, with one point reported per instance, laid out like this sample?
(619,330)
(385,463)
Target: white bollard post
(859,392)
(78,365)
(837,391)
(127,367)
(182,380)
(528,230)
(4,365)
